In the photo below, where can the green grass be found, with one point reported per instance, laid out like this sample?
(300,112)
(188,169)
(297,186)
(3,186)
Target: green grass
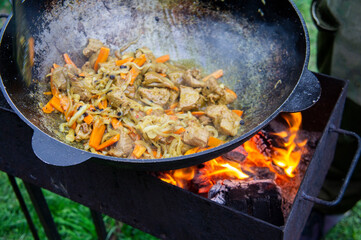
(349,227)
(304,7)
(5,6)
(12,223)
(73,220)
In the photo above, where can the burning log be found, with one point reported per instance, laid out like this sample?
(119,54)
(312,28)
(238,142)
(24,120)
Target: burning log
(258,198)
(264,143)
(238,154)
(201,183)
(262,173)
(266,171)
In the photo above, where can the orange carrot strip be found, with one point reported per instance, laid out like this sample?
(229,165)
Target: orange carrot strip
(97,134)
(169,111)
(173,106)
(180,130)
(122,61)
(231,92)
(109,142)
(214,142)
(116,123)
(163,74)
(134,72)
(55,65)
(55,102)
(175,89)
(123,76)
(102,57)
(31,50)
(68,60)
(141,60)
(139,150)
(64,102)
(162,59)
(69,115)
(198,114)
(48,108)
(238,112)
(103,104)
(47,93)
(149,111)
(82,74)
(133,75)
(73,126)
(217,74)
(192,150)
(91,108)
(88,119)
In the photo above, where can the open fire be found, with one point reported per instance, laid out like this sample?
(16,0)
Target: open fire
(271,155)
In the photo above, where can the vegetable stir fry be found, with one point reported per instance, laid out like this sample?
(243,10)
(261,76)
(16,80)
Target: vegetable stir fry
(134,105)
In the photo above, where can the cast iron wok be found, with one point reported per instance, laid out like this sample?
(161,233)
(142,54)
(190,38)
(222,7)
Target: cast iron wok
(262,46)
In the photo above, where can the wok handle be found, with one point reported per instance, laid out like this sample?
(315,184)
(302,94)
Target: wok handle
(53,152)
(348,176)
(306,93)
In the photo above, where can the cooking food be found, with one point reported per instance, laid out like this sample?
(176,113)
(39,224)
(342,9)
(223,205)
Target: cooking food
(134,105)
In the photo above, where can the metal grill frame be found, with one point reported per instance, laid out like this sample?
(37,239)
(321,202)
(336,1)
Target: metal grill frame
(163,210)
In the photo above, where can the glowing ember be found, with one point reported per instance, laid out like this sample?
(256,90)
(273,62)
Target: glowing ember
(285,157)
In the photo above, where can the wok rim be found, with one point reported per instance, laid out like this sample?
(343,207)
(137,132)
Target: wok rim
(184,160)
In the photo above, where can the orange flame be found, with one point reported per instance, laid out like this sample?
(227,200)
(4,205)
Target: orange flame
(179,177)
(289,156)
(219,167)
(213,170)
(286,157)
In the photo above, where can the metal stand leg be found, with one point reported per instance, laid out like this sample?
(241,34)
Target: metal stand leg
(25,210)
(42,209)
(99,225)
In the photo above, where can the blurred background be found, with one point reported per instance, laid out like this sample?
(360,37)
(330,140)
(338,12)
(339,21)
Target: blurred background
(74,220)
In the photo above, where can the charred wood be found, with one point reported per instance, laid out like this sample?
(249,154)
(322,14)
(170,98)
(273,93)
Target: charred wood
(236,155)
(258,198)
(263,173)
(264,143)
